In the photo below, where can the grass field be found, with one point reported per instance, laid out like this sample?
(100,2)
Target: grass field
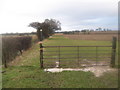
(25,71)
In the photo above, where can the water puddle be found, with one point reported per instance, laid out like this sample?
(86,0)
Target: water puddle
(96,70)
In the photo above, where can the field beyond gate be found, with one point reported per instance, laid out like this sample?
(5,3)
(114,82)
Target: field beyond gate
(76,53)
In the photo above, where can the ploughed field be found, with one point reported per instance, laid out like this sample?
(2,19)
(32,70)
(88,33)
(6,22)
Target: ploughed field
(94,37)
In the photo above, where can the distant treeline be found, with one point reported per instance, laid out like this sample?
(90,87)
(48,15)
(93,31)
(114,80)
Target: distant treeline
(13,46)
(89,32)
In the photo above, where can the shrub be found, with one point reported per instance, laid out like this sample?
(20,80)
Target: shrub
(11,46)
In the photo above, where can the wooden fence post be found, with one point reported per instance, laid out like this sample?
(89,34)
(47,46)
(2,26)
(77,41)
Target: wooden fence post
(41,55)
(78,57)
(59,56)
(113,51)
(96,55)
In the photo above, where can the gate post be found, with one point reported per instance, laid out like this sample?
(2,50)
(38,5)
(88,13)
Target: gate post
(78,57)
(41,55)
(59,56)
(41,49)
(113,51)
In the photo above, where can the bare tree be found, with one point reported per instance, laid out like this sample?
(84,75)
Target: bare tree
(48,27)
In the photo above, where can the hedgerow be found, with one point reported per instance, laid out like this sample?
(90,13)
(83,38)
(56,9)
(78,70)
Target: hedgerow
(13,46)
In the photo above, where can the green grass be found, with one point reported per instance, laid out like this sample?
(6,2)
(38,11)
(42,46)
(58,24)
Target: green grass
(26,73)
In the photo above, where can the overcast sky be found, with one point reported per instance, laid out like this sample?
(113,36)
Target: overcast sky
(15,15)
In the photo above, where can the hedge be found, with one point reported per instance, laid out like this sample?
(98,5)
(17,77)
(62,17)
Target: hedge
(13,46)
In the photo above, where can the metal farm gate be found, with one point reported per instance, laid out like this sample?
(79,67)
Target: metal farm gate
(77,56)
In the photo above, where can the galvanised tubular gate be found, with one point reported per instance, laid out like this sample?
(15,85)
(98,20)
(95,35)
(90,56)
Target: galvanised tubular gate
(58,53)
